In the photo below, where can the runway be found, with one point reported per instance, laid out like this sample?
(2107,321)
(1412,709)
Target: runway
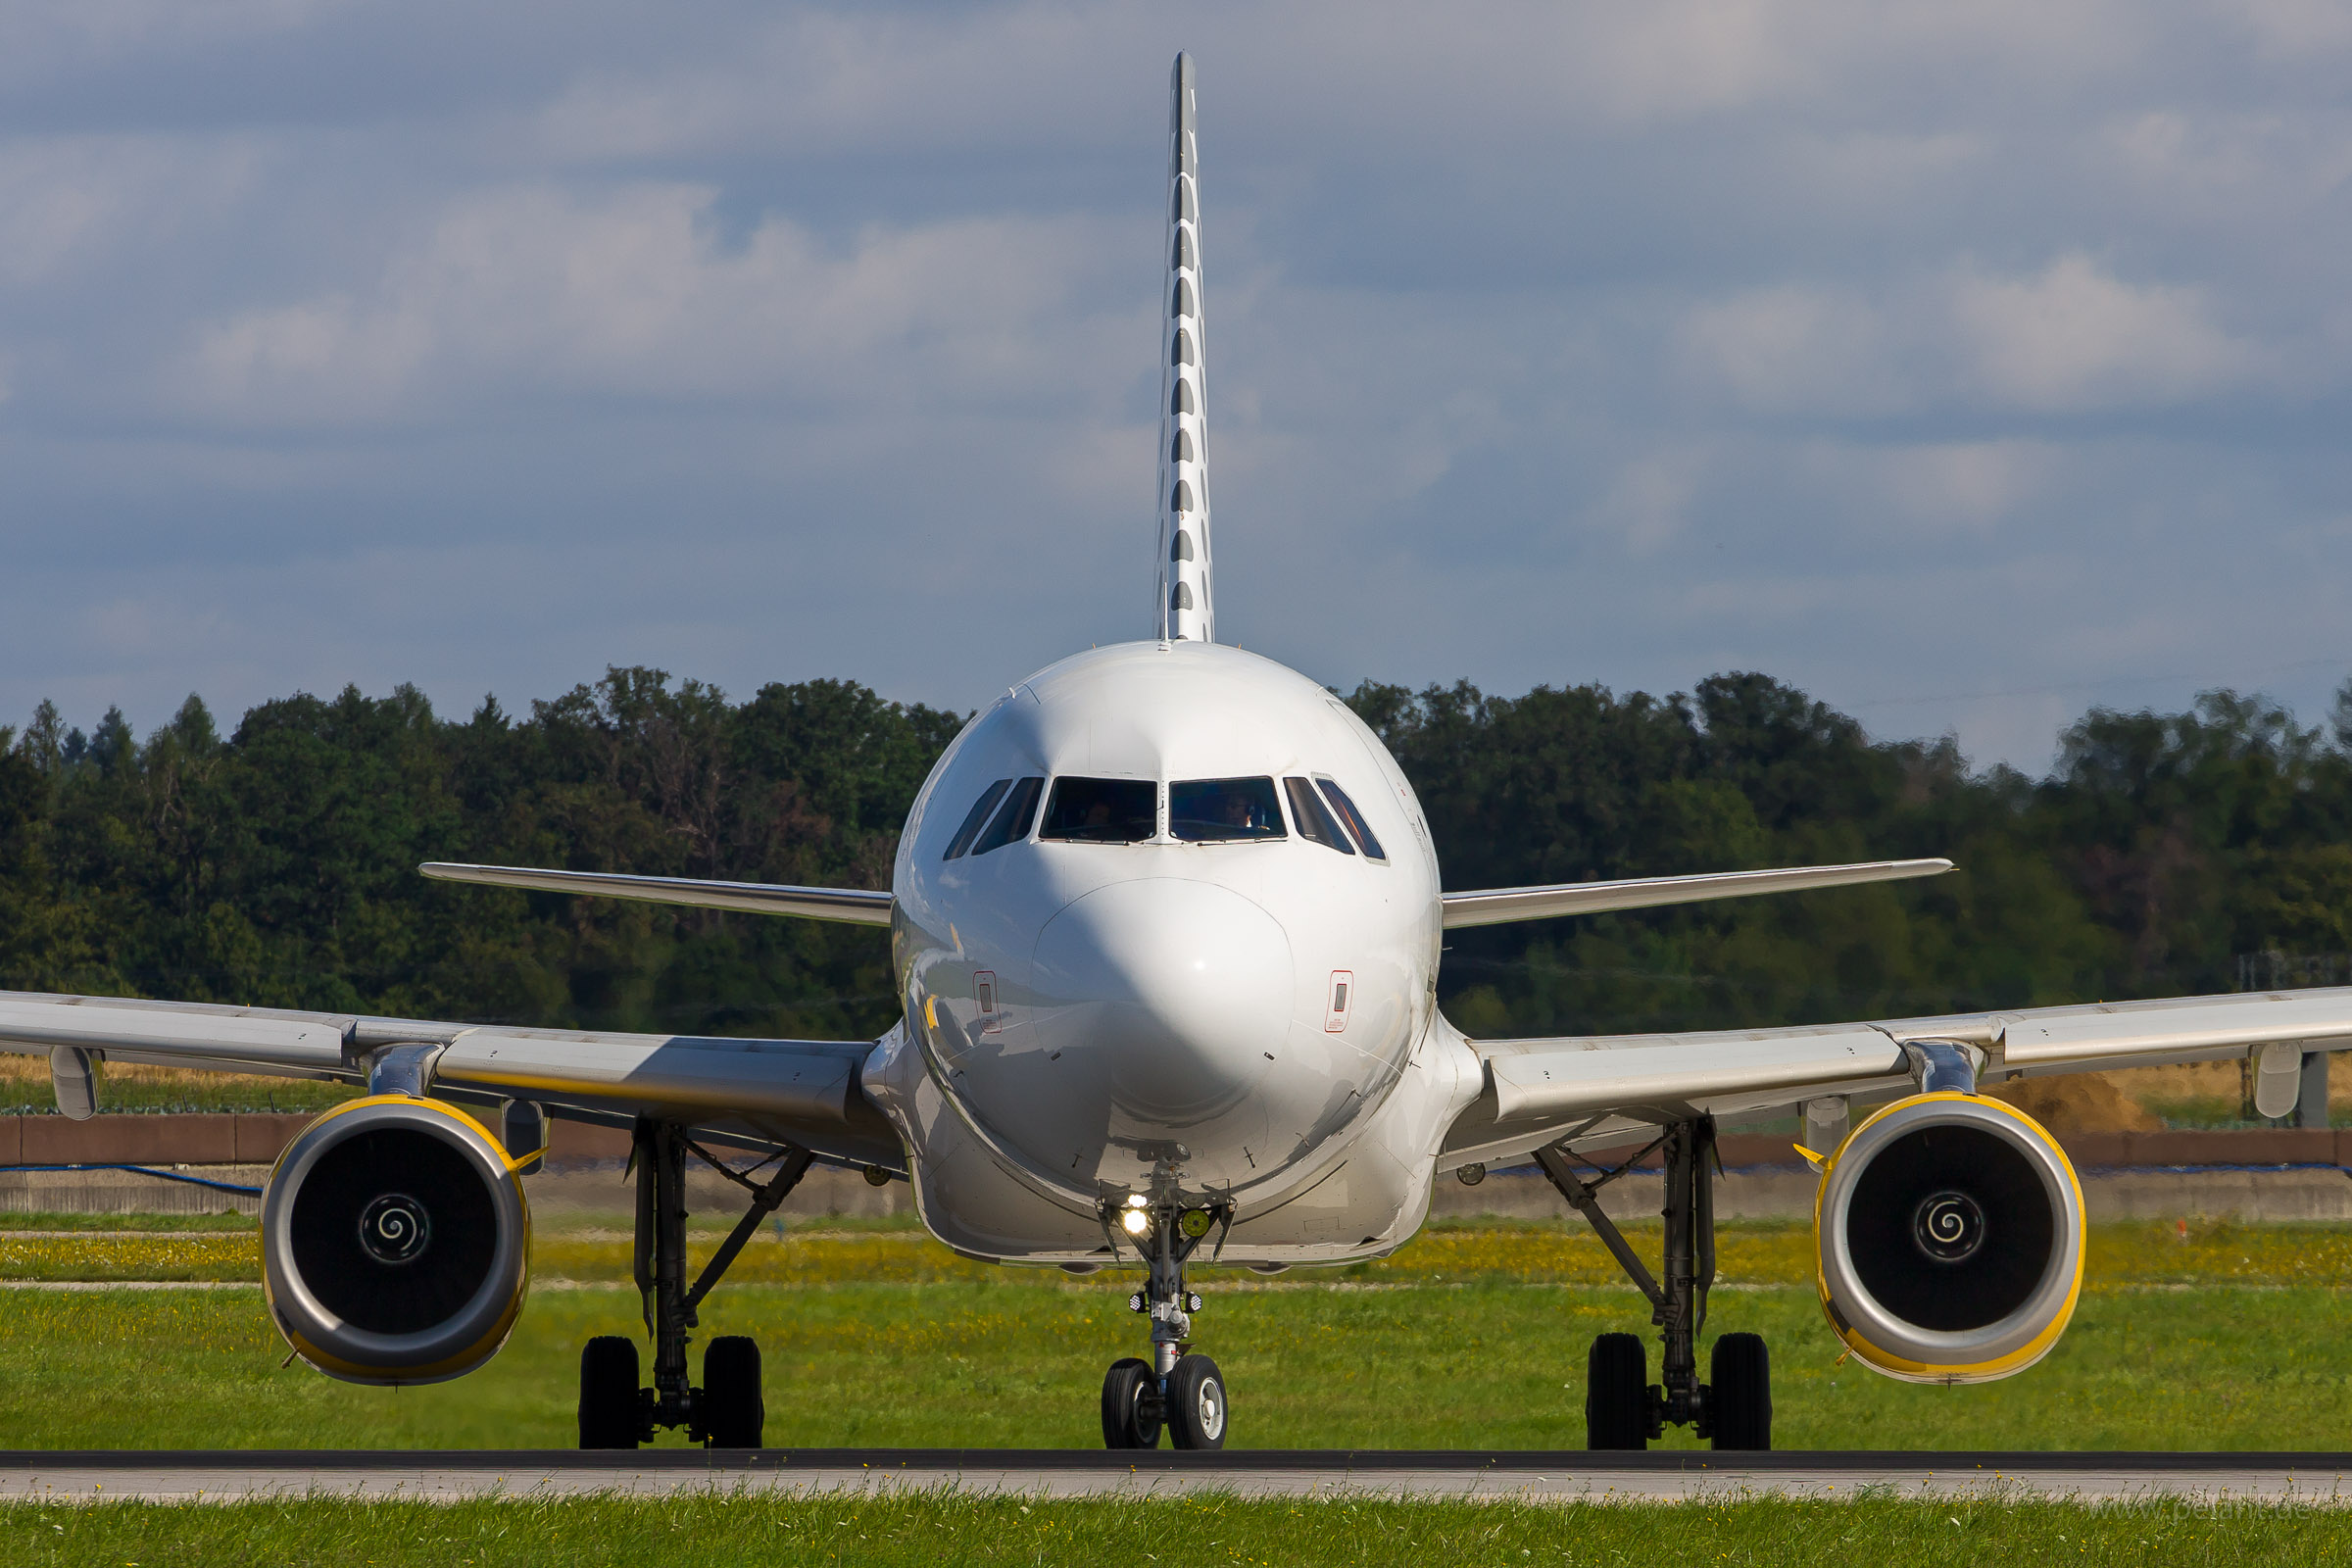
(230,1475)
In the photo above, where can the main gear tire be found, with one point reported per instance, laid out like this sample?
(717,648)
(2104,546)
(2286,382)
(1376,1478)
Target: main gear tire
(609,1407)
(1617,1393)
(1739,1398)
(732,1413)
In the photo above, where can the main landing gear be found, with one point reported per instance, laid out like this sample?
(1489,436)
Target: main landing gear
(726,1411)
(1178,1389)
(1623,1408)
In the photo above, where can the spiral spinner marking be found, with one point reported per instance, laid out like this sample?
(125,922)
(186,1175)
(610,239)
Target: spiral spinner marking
(1949,1226)
(395,1229)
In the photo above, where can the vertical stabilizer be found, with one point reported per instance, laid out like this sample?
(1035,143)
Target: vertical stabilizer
(1184,610)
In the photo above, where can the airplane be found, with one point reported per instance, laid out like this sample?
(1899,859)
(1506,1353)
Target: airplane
(1165,921)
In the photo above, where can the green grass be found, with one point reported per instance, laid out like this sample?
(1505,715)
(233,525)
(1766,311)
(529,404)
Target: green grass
(1017,1361)
(1522,1253)
(186,1094)
(1473,1336)
(929,1530)
(2226,1338)
(44,1221)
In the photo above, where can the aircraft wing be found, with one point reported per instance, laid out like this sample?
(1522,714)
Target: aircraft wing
(1496,905)
(758,1092)
(1599,1089)
(855,905)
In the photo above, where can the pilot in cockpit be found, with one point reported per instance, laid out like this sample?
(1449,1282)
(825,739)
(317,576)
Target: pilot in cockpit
(1241,810)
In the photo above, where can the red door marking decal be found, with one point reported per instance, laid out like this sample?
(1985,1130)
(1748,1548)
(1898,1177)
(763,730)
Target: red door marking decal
(1335,1016)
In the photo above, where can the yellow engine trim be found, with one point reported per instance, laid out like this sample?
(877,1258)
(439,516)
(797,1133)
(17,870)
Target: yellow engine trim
(475,1355)
(1909,1371)
(447,1109)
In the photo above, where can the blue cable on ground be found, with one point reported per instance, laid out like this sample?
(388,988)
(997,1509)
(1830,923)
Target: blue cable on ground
(150,1170)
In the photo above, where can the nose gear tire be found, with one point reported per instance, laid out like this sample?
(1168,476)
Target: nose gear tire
(731,1408)
(1197,1403)
(1130,1405)
(1617,1393)
(609,1402)
(1739,1398)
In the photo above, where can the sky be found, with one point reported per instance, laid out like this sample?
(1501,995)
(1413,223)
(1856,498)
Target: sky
(1965,366)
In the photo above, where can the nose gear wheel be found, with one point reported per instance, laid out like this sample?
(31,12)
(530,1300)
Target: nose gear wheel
(1130,1405)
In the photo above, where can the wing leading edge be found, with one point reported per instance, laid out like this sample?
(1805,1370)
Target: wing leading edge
(853,905)
(798,1092)
(1539,1091)
(1496,906)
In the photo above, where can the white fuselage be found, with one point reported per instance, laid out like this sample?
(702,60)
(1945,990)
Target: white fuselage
(1248,1018)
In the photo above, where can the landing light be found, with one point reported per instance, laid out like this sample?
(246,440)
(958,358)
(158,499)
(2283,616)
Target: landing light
(1135,1222)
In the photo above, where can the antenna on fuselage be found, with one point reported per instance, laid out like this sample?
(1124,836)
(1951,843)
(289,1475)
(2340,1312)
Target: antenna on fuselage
(1186,614)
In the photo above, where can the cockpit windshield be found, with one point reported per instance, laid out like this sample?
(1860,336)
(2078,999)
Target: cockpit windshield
(1316,822)
(1211,810)
(1103,810)
(1012,823)
(1354,819)
(975,819)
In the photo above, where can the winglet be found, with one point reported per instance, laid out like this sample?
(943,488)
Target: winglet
(1186,614)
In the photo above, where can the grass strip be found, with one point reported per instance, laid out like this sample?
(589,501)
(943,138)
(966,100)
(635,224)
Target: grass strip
(932,1529)
(2135,1254)
(991,1364)
(53,1221)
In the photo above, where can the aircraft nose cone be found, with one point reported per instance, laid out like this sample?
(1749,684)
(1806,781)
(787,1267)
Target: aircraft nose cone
(1178,991)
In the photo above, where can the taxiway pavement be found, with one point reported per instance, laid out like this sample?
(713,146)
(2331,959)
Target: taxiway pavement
(227,1475)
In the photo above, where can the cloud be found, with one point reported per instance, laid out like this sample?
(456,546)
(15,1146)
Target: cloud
(70,202)
(1794,348)
(2074,338)
(2070,338)
(635,292)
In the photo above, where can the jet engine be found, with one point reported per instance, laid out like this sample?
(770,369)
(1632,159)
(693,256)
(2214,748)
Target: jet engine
(1949,1236)
(395,1242)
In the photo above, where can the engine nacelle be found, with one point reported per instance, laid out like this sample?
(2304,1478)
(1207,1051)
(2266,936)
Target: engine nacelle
(395,1242)
(1949,1236)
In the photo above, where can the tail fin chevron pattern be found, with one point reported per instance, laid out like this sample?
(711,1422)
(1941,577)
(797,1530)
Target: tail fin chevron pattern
(1184,612)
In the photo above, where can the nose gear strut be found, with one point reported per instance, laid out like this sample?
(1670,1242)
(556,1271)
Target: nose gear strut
(1177,1388)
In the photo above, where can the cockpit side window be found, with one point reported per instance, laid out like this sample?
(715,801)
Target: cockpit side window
(1217,810)
(1103,810)
(1012,823)
(1354,819)
(976,818)
(1316,822)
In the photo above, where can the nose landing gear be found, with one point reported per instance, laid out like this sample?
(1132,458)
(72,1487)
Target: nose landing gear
(1623,1409)
(1178,1389)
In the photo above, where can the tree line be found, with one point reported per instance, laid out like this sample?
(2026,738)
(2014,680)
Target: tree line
(2165,852)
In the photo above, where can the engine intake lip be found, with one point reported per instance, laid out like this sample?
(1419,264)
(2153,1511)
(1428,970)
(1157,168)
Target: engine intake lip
(1991,1318)
(476,1223)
